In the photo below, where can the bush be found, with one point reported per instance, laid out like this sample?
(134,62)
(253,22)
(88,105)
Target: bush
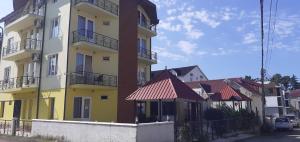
(213,114)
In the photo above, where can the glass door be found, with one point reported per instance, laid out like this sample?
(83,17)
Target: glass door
(90,30)
(81,27)
(86,105)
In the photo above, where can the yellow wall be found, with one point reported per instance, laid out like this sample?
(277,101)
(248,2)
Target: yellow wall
(44,110)
(101,110)
(28,106)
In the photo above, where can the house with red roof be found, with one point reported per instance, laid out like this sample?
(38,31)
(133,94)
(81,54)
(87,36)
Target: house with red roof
(294,101)
(219,92)
(166,97)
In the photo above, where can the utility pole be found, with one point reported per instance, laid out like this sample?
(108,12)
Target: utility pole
(262,62)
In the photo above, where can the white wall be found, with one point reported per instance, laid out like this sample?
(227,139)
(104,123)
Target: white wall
(197,73)
(75,131)
(271,101)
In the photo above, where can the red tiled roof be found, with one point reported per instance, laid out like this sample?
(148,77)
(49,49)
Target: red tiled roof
(220,89)
(295,93)
(165,87)
(248,84)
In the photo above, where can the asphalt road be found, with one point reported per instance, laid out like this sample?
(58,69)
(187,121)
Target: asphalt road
(278,136)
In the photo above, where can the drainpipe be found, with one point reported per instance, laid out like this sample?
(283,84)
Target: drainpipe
(41,63)
(67,70)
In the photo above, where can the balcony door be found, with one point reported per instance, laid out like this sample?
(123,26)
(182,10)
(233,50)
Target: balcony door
(85,28)
(30,73)
(10,46)
(142,47)
(82,108)
(6,76)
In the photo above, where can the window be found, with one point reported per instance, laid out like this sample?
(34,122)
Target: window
(142,46)
(142,21)
(55,27)
(52,64)
(83,63)
(6,74)
(82,107)
(104,97)
(85,28)
(52,104)
(106,58)
(2,109)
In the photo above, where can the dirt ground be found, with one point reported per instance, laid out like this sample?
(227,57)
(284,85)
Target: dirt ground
(6,138)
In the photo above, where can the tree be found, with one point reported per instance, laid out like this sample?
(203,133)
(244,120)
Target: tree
(289,82)
(276,78)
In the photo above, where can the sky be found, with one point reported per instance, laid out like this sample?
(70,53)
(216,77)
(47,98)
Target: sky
(223,36)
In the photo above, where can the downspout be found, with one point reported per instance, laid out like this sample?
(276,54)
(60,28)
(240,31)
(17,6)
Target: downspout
(41,63)
(67,70)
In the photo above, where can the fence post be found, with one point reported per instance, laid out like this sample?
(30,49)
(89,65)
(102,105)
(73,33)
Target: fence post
(14,126)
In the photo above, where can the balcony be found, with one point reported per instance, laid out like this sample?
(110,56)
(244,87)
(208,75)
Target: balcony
(93,41)
(149,30)
(89,80)
(147,56)
(22,84)
(141,81)
(21,50)
(22,19)
(104,7)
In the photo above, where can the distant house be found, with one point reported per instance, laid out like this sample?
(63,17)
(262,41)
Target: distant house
(185,74)
(294,98)
(219,92)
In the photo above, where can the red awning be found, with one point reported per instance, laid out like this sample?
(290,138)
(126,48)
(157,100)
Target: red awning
(165,86)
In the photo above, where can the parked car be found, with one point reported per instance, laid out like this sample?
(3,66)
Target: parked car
(294,120)
(283,123)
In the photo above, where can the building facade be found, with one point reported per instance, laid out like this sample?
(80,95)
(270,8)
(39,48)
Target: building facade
(75,59)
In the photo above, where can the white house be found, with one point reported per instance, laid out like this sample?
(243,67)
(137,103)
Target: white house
(185,74)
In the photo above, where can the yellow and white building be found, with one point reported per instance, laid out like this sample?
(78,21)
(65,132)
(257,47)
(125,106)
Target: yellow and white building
(60,58)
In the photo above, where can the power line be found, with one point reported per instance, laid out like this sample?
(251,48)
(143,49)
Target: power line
(269,31)
(273,33)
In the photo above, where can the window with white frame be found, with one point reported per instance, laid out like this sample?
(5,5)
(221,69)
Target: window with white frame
(55,27)
(52,64)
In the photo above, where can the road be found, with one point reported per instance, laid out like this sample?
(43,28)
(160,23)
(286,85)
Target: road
(281,136)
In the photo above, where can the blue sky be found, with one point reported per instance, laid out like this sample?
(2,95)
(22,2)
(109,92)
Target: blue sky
(222,36)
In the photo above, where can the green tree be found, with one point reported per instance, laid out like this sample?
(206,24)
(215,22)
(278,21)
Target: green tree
(276,78)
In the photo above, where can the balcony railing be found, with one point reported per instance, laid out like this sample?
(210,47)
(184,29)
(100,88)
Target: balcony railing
(147,26)
(29,44)
(147,54)
(22,12)
(89,78)
(95,38)
(19,82)
(106,5)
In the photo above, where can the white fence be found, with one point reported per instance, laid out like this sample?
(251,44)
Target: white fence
(75,131)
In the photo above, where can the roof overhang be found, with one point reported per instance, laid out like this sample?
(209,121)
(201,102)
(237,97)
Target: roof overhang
(150,9)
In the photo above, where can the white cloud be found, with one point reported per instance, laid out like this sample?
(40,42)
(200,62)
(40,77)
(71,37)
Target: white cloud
(168,26)
(187,47)
(194,34)
(249,38)
(163,52)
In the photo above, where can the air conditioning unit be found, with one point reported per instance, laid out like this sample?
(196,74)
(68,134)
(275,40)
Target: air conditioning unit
(38,23)
(36,57)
